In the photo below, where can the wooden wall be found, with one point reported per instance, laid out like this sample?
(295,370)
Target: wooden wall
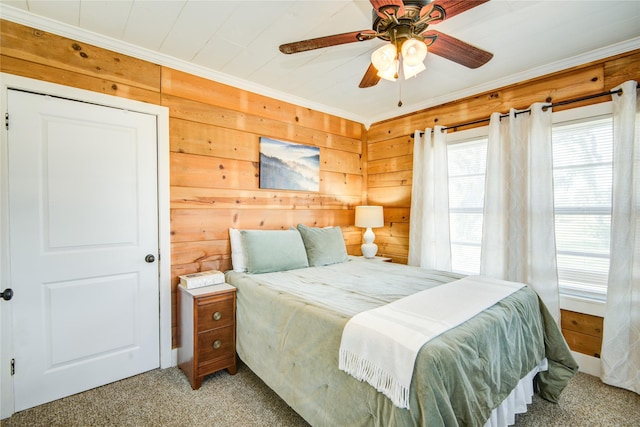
(583,332)
(214,137)
(214,146)
(390,146)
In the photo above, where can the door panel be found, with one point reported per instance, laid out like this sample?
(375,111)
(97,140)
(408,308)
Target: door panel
(106,306)
(82,217)
(107,164)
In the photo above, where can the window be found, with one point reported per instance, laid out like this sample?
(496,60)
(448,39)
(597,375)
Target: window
(582,175)
(467,161)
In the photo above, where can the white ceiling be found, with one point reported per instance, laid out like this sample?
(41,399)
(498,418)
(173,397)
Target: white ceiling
(236,42)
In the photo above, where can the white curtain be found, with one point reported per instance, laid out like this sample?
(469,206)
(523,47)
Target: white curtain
(429,241)
(518,236)
(621,342)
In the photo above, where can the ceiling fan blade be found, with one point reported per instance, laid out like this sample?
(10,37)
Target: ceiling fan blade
(320,42)
(453,7)
(456,50)
(393,7)
(370,77)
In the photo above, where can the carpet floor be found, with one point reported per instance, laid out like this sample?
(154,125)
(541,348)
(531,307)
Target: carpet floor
(165,398)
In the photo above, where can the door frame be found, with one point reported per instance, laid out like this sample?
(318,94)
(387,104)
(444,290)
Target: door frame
(10,81)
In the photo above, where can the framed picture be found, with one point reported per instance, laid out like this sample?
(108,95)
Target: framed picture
(289,166)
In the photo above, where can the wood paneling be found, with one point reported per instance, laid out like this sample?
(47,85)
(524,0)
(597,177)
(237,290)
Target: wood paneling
(583,332)
(391,148)
(38,54)
(68,77)
(210,113)
(583,323)
(187,86)
(205,198)
(561,86)
(583,343)
(390,179)
(214,141)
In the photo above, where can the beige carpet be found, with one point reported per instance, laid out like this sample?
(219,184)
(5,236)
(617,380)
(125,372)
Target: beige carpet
(164,398)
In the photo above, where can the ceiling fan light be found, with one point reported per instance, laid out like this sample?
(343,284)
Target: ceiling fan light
(413,52)
(390,73)
(412,70)
(384,57)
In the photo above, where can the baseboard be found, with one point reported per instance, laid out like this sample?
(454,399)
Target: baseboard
(587,364)
(174,357)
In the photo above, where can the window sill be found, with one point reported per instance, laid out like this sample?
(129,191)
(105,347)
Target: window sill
(582,305)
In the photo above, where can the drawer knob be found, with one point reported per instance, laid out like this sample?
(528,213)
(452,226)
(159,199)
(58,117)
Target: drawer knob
(217,315)
(217,344)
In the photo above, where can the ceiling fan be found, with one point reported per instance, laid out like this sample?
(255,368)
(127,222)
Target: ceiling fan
(406,26)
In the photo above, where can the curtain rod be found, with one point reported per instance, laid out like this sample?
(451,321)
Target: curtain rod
(545,107)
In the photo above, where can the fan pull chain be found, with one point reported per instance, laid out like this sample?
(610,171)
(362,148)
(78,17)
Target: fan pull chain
(399,92)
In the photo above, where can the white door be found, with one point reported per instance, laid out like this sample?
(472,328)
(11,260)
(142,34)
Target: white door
(82,219)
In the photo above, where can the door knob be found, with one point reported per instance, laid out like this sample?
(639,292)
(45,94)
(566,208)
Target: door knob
(149,258)
(7,294)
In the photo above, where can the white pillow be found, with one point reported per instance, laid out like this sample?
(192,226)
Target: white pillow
(238,260)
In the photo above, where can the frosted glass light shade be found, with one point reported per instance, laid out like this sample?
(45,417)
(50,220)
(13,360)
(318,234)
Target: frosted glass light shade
(382,58)
(385,61)
(412,71)
(390,73)
(413,52)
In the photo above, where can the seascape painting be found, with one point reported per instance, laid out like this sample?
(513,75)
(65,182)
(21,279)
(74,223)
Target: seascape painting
(289,166)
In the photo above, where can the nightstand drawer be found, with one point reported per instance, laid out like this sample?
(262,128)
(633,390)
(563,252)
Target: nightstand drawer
(207,331)
(216,343)
(215,314)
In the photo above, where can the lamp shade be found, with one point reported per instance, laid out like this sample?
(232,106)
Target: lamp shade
(385,60)
(369,216)
(384,57)
(390,73)
(413,52)
(412,71)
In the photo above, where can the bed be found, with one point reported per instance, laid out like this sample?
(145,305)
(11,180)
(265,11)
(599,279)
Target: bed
(291,313)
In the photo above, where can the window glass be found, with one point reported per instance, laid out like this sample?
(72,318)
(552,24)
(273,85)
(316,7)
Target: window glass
(467,162)
(582,177)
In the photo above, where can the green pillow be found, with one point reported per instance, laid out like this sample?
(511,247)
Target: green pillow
(324,245)
(273,250)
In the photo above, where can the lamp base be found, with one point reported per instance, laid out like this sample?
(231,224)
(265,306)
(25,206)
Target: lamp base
(369,250)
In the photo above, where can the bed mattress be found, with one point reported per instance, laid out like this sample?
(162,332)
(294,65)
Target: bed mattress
(289,328)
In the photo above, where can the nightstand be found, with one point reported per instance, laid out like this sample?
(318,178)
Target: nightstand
(207,331)
(377,258)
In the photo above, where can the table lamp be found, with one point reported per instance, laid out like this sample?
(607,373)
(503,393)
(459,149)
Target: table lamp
(369,217)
